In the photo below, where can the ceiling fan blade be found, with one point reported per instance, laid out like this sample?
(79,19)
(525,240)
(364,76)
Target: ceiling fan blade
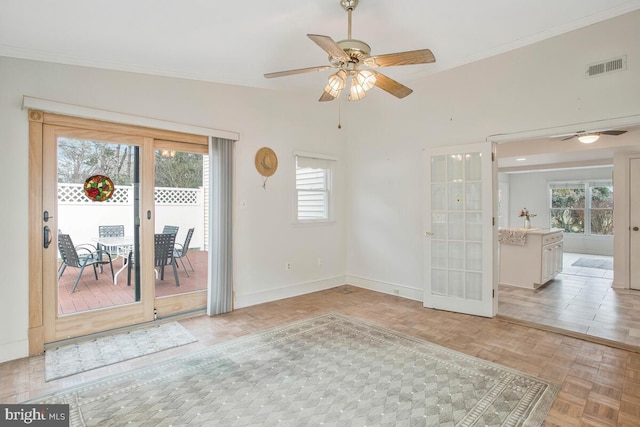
(329,46)
(572,136)
(393,87)
(298,71)
(326,97)
(422,56)
(613,132)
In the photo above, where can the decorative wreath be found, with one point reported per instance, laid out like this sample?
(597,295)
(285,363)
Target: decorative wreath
(99,188)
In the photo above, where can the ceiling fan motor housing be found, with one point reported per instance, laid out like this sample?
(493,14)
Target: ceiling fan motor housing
(357,51)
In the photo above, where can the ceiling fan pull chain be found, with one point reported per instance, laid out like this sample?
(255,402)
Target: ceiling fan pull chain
(339,117)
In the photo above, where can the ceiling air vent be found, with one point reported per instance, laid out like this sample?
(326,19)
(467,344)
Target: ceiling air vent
(608,66)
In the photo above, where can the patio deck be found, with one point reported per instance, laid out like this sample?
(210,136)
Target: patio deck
(92,294)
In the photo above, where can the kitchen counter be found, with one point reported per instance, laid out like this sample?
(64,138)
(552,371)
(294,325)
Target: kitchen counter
(529,257)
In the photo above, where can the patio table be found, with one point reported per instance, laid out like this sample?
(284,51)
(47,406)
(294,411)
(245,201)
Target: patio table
(122,246)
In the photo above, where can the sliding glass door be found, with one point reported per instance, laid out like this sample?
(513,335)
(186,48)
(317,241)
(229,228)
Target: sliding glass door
(124,226)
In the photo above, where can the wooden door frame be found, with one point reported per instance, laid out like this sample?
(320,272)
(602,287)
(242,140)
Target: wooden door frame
(37,120)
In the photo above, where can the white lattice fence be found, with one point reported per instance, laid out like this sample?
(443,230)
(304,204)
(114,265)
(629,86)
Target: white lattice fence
(80,216)
(177,196)
(74,194)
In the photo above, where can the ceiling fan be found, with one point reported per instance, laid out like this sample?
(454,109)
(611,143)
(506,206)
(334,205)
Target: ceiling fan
(590,137)
(354,63)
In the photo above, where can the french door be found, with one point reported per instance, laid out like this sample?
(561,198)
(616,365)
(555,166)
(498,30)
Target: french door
(108,199)
(461,235)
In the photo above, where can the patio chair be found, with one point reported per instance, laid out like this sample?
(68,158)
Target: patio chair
(163,249)
(109,231)
(170,229)
(181,250)
(70,257)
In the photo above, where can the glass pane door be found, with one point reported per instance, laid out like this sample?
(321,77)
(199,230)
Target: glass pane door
(459,273)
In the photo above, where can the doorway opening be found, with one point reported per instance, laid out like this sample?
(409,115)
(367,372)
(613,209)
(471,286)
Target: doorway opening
(581,300)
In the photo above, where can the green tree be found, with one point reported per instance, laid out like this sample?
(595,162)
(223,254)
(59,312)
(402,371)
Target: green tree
(568,207)
(183,170)
(78,159)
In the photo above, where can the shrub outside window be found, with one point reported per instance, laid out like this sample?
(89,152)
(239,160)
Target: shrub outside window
(582,207)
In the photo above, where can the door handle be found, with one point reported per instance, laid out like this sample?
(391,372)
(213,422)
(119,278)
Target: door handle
(46,236)
(636,228)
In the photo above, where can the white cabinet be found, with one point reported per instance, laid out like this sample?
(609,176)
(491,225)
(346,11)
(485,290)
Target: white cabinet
(529,258)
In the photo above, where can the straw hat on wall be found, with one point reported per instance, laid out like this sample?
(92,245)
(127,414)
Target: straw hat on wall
(266,161)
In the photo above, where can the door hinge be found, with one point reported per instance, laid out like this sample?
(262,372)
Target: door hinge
(493,221)
(494,293)
(493,156)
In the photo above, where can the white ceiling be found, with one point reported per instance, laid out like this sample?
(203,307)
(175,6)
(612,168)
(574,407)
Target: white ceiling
(237,42)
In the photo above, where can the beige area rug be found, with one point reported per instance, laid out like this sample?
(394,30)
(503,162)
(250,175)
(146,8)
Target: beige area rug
(83,356)
(331,370)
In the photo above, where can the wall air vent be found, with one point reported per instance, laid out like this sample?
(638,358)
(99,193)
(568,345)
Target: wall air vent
(608,66)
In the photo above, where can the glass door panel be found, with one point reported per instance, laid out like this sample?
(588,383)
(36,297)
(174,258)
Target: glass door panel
(181,211)
(97,203)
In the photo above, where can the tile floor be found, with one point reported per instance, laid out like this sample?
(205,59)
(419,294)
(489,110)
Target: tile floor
(580,300)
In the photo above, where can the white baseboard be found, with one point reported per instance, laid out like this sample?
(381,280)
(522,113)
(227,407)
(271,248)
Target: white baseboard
(618,284)
(247,300)
(387,288)
(403,291)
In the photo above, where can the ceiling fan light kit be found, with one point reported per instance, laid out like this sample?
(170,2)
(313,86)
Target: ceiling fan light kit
(591,136)
(356,92)
(352,58)
(588,138)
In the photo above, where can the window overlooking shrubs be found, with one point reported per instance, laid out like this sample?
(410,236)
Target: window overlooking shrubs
(582,207)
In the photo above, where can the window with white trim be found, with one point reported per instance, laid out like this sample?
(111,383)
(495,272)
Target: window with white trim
(313,189)
(584,207)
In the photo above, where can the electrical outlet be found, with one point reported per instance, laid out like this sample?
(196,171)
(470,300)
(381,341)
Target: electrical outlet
(396,291)
(288,266)
(320,261)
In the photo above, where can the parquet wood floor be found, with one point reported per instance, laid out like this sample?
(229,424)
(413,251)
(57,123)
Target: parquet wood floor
(600,385)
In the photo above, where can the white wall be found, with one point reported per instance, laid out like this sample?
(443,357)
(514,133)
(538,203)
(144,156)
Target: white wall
(536,87)
(530,190)
(264,235)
